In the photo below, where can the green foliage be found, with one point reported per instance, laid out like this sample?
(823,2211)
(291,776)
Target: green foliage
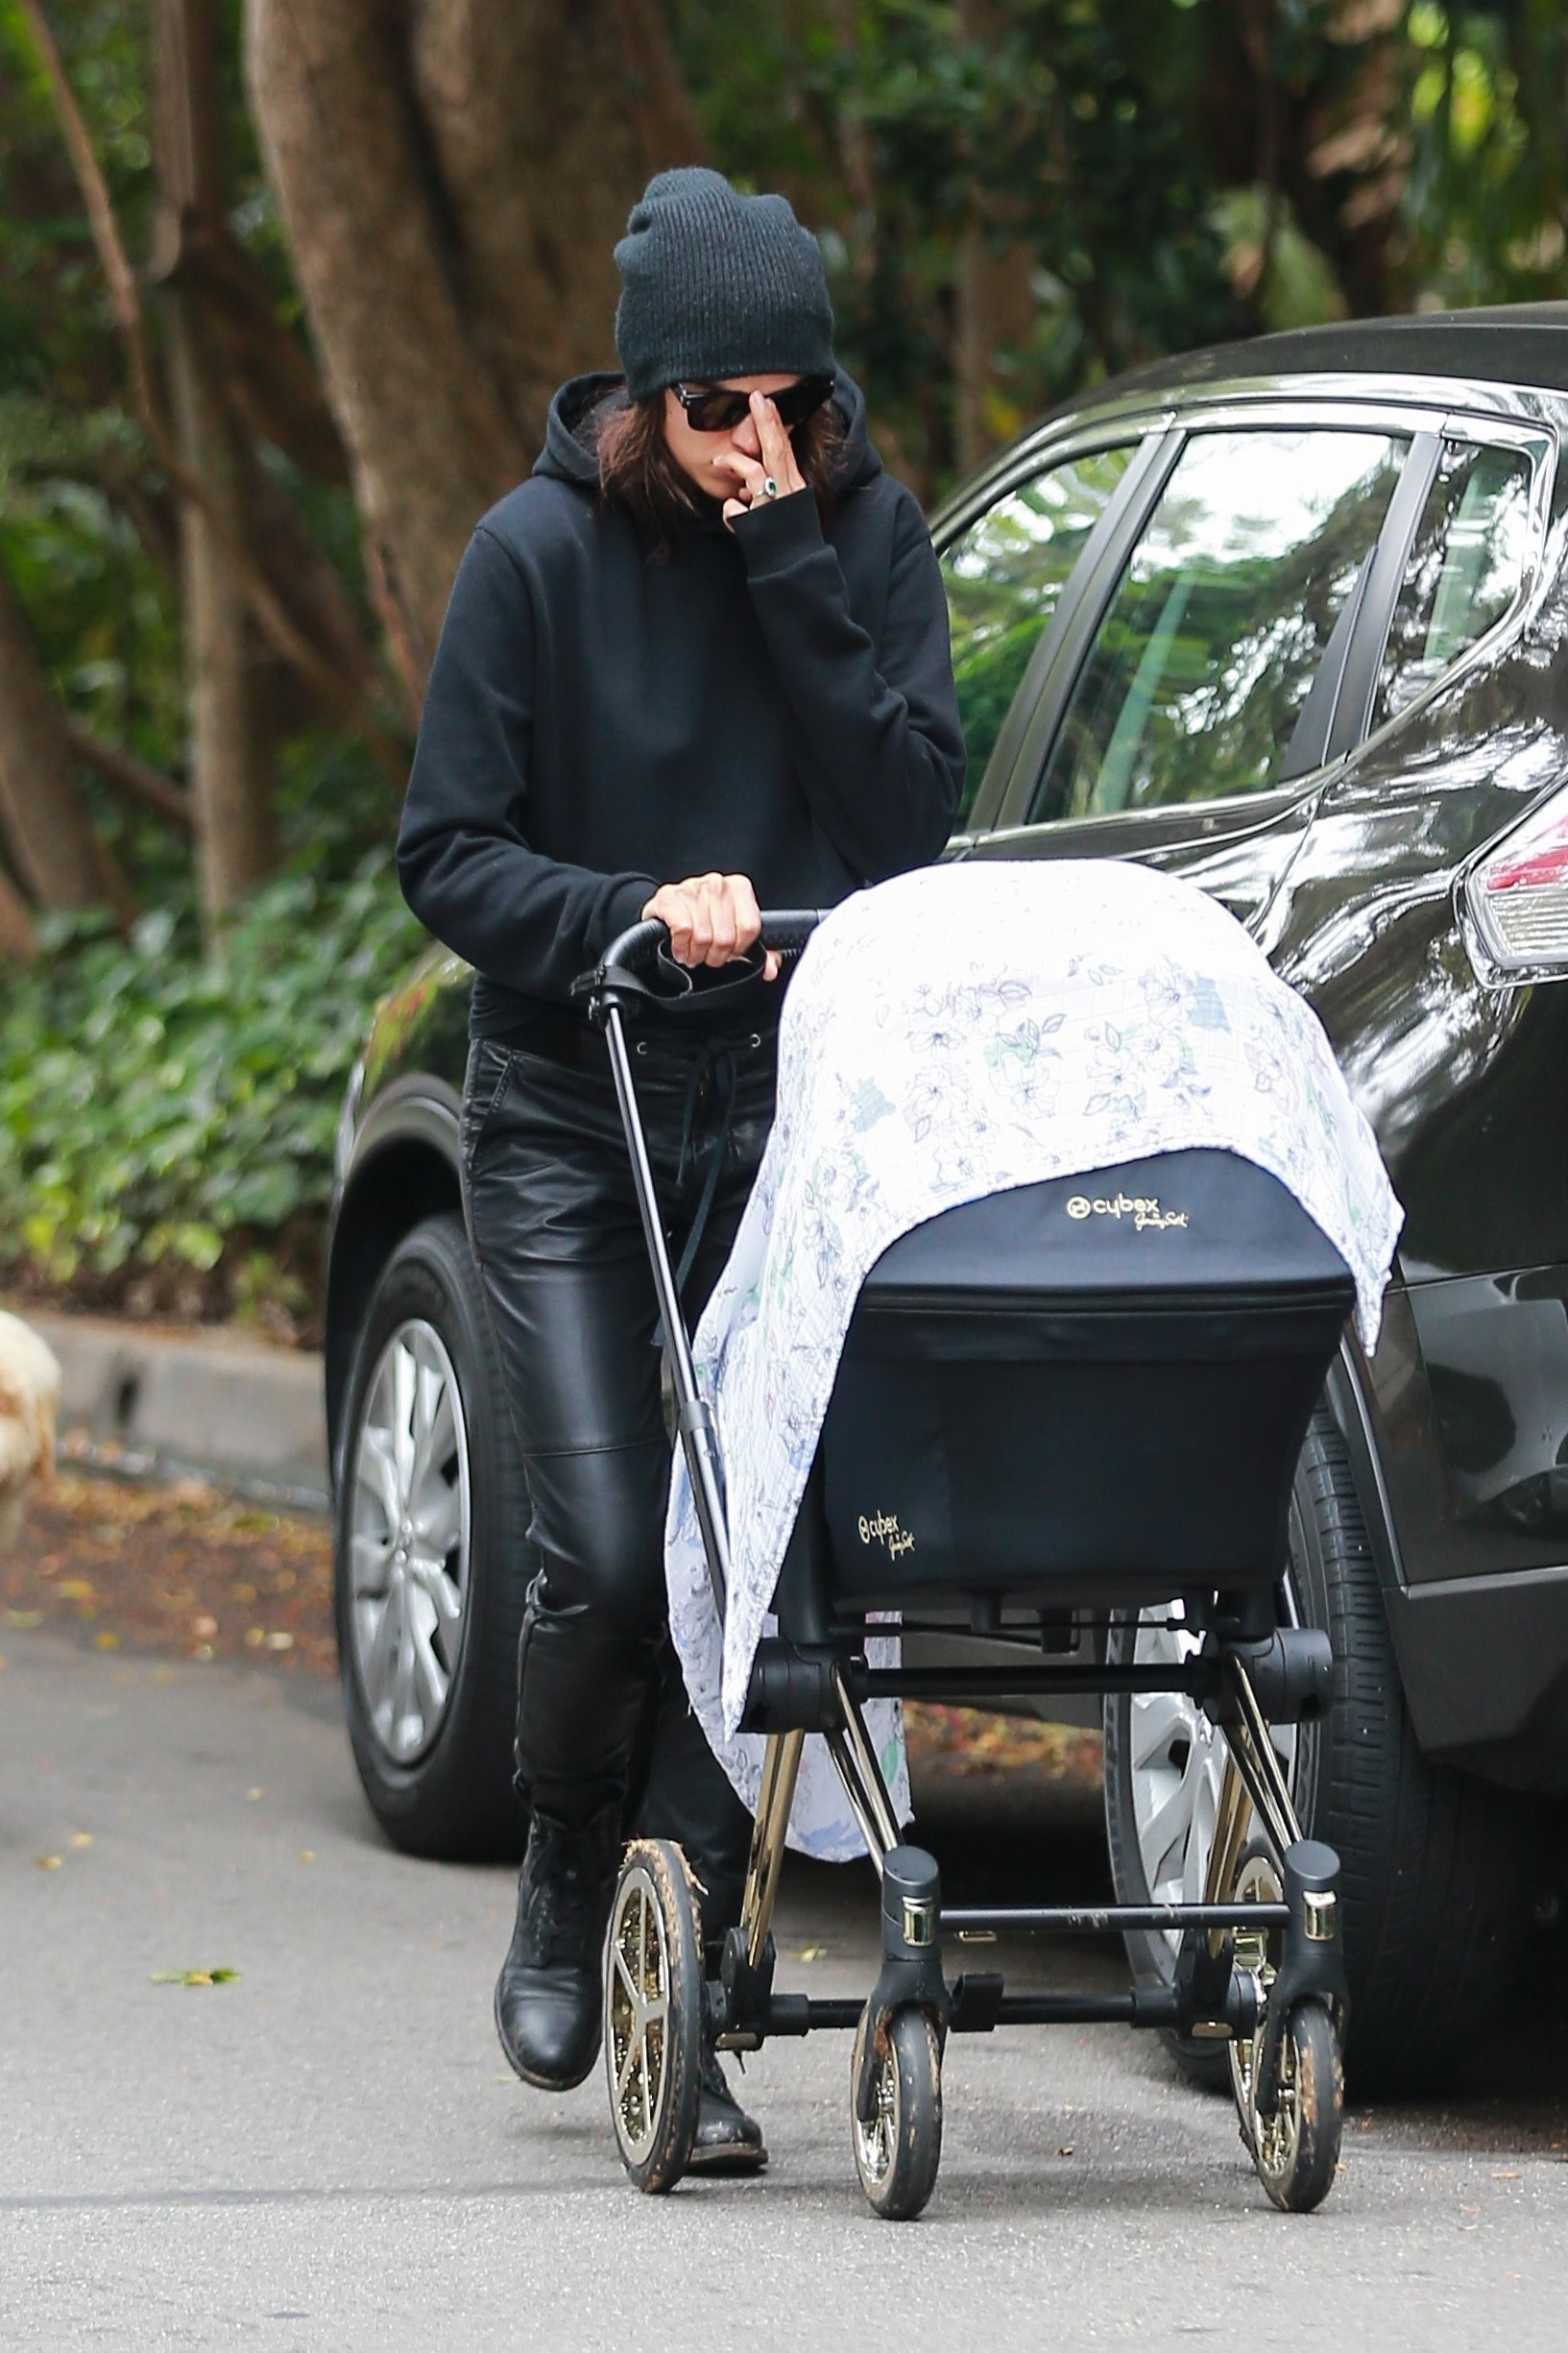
(1263,243)
(1488,111)
(1070,128)
(87,527)
(1173,172)
(162,1114)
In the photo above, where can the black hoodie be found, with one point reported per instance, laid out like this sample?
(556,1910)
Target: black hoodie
(774,701)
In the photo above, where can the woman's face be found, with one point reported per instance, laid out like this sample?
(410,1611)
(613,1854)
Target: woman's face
(695,452)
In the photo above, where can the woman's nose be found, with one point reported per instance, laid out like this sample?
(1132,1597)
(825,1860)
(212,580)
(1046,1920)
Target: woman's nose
(745,438)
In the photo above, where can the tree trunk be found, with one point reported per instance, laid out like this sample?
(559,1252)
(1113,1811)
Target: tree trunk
(996,311)
(994,308)
(545,123)
(234,842)
(19,934)
(52,849)
(453,176)
(266,370)
(430,443)
(229,799)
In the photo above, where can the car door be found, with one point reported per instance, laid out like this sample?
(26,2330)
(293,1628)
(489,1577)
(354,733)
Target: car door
(1183,712)
(1014,550)
(1453,684)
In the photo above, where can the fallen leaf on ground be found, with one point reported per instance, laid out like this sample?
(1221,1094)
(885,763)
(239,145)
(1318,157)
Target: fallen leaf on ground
(175,1568)
(974,1741)
(811,1952)
(47,1863)
(195,1976)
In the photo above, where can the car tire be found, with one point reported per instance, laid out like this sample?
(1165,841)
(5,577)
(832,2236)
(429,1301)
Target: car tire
(443,1605)
(1433,1863)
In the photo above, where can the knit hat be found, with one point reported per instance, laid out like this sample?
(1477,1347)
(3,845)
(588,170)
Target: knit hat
(717,285)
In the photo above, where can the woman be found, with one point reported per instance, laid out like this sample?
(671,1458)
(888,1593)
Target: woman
(696,665)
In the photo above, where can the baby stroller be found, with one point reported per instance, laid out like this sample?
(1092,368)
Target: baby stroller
(1040,1424)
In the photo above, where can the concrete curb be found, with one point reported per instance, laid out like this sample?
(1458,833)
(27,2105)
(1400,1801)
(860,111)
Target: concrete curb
(238,1410)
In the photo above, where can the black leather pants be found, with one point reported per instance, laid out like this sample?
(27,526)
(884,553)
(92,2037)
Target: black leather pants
(602,1716)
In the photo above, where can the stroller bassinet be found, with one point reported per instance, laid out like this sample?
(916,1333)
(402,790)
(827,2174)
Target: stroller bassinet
(1088,1391)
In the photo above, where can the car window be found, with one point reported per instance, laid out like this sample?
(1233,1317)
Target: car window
(1004,574)
(1197,674)
(1464,571)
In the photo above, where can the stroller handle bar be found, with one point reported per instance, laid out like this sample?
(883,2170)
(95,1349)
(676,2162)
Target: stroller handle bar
(637,951)
(626,982)
(636,975)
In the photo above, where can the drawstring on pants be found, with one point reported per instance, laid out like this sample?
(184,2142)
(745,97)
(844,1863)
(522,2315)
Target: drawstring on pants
(715,1065)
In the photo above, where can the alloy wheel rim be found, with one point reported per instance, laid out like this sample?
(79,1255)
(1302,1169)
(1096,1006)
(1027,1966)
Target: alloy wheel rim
(639,2014)
(409,1541)
(1177,1760)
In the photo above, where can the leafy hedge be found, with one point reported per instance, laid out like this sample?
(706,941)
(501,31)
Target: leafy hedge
(168,1121)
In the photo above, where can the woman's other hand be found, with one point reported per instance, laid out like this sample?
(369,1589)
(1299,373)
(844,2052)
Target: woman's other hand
(712,918)
(777,463)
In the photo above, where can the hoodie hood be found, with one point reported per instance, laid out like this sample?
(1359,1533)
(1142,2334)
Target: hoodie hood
(567,455)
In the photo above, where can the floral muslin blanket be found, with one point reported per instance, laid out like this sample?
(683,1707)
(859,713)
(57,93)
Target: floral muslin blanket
(955,1033)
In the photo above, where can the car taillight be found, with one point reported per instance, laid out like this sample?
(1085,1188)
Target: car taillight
(1518,892)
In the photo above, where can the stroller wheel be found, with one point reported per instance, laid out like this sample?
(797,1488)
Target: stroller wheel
(898,2152)
(653,1997)
(1296,2149)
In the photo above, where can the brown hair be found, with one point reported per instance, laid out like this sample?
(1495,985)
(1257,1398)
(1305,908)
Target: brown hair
(637,467)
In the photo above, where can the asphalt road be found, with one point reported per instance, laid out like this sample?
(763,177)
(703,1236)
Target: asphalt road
(327,2152)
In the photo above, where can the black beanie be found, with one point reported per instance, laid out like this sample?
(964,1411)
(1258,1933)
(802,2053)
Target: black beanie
(717,285)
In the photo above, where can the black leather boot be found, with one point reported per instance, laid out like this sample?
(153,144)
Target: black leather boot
(727,2140)
(548,2000)
(581,1697)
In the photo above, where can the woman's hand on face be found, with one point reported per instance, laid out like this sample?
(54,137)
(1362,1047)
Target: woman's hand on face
(712,918)
(777,464)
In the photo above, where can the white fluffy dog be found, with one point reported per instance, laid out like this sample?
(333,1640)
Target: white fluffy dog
(29,1401)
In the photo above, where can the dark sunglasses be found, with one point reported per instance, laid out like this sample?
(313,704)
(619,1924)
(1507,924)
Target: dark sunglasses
(719,411)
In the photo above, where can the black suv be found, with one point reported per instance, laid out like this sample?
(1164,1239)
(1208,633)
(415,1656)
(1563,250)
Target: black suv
(1287,618)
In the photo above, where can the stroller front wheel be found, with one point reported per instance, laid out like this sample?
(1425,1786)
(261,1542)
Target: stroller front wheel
(1296,2149)
(653,1997)
(897,2152)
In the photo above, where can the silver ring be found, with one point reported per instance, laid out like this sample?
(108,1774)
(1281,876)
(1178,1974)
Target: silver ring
(770,488)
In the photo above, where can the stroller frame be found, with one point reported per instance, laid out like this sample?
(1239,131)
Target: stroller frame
(1258,1965)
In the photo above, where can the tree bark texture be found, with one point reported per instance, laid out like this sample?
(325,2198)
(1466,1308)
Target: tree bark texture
(19,934)
(996,309)
(995,306)
(230,798)
(52,848)
(234,843)
(452,175)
